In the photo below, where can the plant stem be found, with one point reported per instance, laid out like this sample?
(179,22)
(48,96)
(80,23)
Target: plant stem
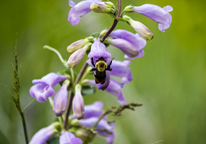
(80,73)
(71,96)
(24,127)
(114,23)
(28,105)
(17,98)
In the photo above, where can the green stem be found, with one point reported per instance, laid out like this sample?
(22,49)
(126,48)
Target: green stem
(72,73)
(28,105)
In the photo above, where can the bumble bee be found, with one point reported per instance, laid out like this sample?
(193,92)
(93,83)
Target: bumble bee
(100,70)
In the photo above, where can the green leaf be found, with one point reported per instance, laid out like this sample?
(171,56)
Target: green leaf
(53,140)
(87,90)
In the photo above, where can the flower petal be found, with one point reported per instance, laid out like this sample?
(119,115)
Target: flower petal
(51,79)
(156,13)
(78,11)
(125,46)
(115,88)
(98,49)
(72,3)
(93,110)
(41,91)
(69,138)
(121,69)
(43,134)
(135,39)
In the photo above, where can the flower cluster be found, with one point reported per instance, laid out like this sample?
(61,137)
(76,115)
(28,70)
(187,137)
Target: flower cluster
(79,128)
(101,64)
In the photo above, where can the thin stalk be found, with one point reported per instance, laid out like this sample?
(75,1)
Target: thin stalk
(28,105)
(72,73)
(68,109)
(114,23)
(80,73)
(56,51)
(71,95)
(16,98)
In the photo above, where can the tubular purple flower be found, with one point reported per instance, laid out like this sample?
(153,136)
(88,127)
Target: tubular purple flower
(115,88)
(44,134)
(51,79)
(60,99)
(135,39)
(69,138)
(77,45)
(78,103)
(98,49)
(79,10)
(103,128)
(121,69)
(156,13)
(43,87)
(77,56)
(93,110)
(126,47)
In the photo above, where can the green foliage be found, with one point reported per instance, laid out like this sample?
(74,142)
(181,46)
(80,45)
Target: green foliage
(87,90)
(53,140)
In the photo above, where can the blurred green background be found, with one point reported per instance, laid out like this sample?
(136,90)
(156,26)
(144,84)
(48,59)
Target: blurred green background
(170,80)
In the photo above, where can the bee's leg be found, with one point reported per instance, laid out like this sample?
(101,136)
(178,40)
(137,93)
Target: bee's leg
(92,62)
(108,68)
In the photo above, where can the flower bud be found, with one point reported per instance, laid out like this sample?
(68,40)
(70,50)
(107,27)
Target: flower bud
(77,45)
(101,8)
(60,99)
(77,56)
(140,28)
(129,8)
(83,134)
(78,103)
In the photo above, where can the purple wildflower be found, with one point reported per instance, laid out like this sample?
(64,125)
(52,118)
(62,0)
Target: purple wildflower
(80,9)
(115,88)
(44,134)
(78,103)
(43,87)
(98,49)
(131,44)
(93,110)
(60,99)
(121,69)
(69,138)
(92,114)
(156,13)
